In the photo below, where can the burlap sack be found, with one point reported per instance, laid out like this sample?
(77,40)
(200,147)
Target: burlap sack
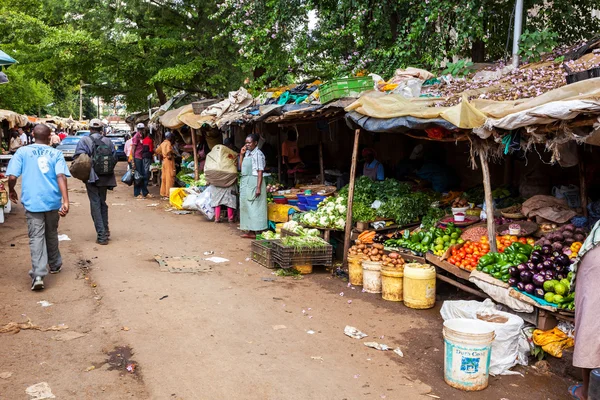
(81,167)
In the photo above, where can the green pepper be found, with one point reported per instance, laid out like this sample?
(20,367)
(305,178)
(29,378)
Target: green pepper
(486,270)
(497,275)
(406,234)
(504,268)
(502,257)
(488,259)
(427,238)
(521,258)
(505,277)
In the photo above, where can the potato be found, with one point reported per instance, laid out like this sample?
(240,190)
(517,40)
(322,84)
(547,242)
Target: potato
(361,246)
(378,246)
(374,252)
(394,255)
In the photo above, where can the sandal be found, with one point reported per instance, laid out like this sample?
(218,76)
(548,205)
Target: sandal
(573,389)
(140,197)
(249,236)
(149,196)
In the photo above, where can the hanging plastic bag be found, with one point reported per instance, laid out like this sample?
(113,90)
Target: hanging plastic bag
(137,177)
(128,178)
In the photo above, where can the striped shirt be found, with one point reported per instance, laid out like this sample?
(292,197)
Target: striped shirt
(258,160)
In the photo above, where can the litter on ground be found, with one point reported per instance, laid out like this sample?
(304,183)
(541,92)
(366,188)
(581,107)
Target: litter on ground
(16,327)
(62,238)
(40,391)
(354,333)
(44,303)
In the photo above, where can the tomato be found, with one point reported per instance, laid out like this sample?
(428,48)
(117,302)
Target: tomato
(469,250)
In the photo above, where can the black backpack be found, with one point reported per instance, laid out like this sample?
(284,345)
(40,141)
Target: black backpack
(103,160)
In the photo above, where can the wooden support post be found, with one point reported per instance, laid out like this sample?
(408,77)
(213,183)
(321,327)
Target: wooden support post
(348,229)
(196,175)
(279,160)
(489,201)
(582,181)
(322,168)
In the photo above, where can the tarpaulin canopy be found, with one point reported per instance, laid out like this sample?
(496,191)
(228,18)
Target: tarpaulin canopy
(187,117)
(170,119)
(396,125)
(5,59)
(14,119)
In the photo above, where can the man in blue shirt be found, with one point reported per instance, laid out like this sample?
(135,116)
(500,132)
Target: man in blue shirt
(45,196)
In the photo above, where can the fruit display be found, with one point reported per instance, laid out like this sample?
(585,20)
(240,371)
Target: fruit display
(503,265)
(436,240)
(467,257)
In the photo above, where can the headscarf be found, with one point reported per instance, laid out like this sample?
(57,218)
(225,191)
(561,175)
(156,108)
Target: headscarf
(368,151)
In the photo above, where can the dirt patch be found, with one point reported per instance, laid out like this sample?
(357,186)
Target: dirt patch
(120,360)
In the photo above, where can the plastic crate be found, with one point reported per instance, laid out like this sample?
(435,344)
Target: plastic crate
(287,257)
(262,253)
(583,75)
(344,87)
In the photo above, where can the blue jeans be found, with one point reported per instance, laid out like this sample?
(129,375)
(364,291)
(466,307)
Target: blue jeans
(143,187)
(99,209)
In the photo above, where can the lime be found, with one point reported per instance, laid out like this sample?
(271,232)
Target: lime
(446,238)
(439,247)
(453,241)
(566,282)
(454,235)
(557,298)
(549,286)
(549,297)
(559,288)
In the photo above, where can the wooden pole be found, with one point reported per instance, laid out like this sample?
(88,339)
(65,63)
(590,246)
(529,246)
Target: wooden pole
(582,181)
(348,229)
(489,201)
(322,167)
(196,175)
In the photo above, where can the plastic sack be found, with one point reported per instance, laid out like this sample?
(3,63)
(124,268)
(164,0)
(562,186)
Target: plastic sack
(81,167)
(203,204)
(553,341)
(177,197)
(506,350)
(128,177)
(189,203)
(137,177)
(220,168)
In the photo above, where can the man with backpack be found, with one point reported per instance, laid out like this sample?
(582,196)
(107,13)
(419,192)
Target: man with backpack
(102,153)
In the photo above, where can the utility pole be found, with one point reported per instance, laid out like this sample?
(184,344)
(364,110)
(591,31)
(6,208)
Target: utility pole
(517,32)
(98,100)
(80,100)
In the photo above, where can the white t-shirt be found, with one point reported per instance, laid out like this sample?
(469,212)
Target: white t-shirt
(23,138)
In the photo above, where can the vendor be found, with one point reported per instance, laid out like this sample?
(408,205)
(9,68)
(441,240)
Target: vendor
(372,168)
(15,142)
(165,150)
(290,153)
(587,297)
(253,192)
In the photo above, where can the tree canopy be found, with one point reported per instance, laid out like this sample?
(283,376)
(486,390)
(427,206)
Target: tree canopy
(142,47)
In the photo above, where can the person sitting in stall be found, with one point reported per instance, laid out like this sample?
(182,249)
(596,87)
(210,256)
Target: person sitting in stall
(253,191)
(15,142)
(165,150)
(372,168)
(290,154)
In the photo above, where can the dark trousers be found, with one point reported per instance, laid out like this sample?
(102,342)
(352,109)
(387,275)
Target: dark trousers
(42,228)
(142,188)
(99,209)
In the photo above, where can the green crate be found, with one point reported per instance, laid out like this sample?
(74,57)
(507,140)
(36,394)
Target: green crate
(344,87)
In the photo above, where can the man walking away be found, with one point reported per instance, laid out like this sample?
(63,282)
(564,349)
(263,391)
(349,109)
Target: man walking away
(136,160)
(102,176)
(45,196)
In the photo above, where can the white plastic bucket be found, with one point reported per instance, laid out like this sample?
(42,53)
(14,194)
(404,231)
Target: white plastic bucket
(468,350)
(372,276)
(7,207)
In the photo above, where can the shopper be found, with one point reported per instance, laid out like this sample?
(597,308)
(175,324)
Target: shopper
(587,298)
(140,189)
(165,150)
(224,196)
(15,143)
(102,176)
(54,140)
(147,158)
(253,193)
(45,196)
(24,138)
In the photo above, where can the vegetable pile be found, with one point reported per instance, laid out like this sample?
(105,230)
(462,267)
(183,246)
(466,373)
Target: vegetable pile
(469,254)
(437,240)
(187,178)
(503,242)
(300,243)
(562,239)
(330,214)
(295,227)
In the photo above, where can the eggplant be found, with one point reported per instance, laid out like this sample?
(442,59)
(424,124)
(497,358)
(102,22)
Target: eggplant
(513,282)
(557,253)
(546,249)
(536,253)
(521,286)
(550,274)
(531,266)
(548,264)
(522,267)
(526,276)
(514,272)
(538,280)
(563,260)
(539,292)
(529,288)
(536,258)
(559,268)
(539,267)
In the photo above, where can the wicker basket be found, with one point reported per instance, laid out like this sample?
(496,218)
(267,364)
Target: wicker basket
(527,228)
(513,212)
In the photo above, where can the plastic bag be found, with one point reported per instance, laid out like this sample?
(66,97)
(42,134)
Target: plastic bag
(190,203)
(81,167)
(553,341)
(203,204)
(128,178)
(506,350)
(220,168)
(177,197)
(137,177)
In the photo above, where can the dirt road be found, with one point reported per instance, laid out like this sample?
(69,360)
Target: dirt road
(235,332)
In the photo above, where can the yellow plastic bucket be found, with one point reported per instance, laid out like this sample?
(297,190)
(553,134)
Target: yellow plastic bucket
(304,269)
(355,270)
(419,286)
(391,284)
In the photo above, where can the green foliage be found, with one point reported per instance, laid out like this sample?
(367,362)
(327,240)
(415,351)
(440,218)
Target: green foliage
(24,94)
(534,44)
(460,68)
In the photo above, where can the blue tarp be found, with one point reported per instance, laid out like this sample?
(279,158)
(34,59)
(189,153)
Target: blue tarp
(395,125)
(5,59)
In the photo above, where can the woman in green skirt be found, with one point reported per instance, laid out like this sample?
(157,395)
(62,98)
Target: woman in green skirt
(253,191)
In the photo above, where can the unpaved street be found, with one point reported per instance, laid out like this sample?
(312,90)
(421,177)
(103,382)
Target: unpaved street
(236,332)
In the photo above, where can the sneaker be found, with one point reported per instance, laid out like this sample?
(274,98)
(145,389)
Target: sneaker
(55,270)
(37,283)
